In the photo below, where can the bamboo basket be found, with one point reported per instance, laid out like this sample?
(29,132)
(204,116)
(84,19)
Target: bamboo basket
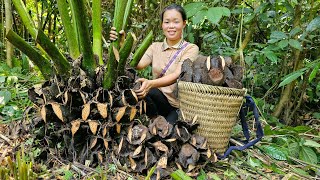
(216,108)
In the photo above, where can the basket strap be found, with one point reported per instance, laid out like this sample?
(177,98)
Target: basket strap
(249,105)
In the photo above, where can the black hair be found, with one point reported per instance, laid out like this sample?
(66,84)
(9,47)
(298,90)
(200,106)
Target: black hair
(176,7)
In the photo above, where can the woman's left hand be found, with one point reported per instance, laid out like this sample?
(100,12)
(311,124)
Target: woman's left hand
(145,87)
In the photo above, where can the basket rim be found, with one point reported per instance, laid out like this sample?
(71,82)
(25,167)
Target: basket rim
(207,86)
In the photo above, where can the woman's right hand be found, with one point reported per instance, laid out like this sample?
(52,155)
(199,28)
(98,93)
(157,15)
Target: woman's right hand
(113,35)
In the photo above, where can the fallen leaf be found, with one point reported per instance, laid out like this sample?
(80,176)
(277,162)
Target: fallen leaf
(120,145)
(137,151)
(162,163)
(103,109)
(94,142)
(75,126)
(43,113)
(116,53)
(160,146)
(57,110)
(93,126)
(132,163)
(86,111)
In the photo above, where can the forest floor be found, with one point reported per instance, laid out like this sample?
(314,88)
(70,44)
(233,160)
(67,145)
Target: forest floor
(257,162)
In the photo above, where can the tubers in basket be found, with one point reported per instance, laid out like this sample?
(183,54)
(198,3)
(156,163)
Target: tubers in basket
(212,70)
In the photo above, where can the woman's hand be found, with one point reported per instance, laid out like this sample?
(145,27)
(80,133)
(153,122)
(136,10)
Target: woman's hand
(113,35)
(145,87)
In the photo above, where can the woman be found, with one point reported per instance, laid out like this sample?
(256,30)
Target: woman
(166,59)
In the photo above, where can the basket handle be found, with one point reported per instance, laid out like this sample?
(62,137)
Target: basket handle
(249,105)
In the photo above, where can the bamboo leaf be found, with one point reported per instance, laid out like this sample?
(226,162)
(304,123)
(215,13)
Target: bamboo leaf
(86,111)
(308,155)
(93,126)
(292,76)
(127,14)
(57,110)
(75,126)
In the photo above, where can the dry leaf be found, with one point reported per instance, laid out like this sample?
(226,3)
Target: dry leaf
(190,167)
(116,53)
(204,146)
(100,157)
(104,131)
(57,110)
(146,158)
(162,163)
(215,158)
(65,99)
(120,145)
(194,141)
(208,153)
(106,144)
(133,163)
(118,128)
(223,62)
(179,166)
(171,140)
(120,113)
(133,113)
(208,63)
(93,126)
(43,113)
(103,109)
(154,130)
(75,126)
(158,175)
(160,146)
(86,111)
(83,96)
(137,151)
(94,142)
(143,137)
(129,135)
(178,131)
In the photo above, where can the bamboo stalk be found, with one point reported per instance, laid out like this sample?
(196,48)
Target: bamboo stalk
(9,47)
(97,29)
(142,49)
(111,75)
(125,52)
(71,36)
(60,62)
(42,63)
(88,63)
(25,17)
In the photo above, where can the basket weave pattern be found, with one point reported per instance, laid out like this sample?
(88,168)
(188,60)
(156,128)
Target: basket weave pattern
(216,108)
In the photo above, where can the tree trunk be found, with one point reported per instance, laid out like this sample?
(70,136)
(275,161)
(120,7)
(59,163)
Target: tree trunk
(9,47)
(286,94)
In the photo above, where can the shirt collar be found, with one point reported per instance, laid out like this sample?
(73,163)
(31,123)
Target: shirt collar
(165,45)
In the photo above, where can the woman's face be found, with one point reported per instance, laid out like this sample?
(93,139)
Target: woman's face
(172,26)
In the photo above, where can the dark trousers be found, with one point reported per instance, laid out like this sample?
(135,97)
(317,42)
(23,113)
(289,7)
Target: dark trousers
(158,104)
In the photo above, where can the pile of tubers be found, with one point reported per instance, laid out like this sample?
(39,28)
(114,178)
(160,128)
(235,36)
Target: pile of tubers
(215,70)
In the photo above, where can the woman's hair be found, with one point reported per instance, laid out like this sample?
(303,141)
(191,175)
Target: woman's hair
(176,7)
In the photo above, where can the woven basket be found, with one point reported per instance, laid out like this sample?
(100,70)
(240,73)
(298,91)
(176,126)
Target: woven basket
(216,108)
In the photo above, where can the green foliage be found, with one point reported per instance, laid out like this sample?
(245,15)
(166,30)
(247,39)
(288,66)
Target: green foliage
(13,92)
